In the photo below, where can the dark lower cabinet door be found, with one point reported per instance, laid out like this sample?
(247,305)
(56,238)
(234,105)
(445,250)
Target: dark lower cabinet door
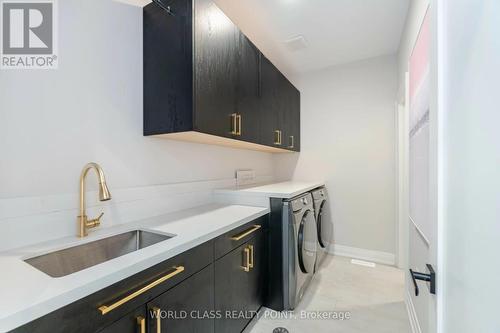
(134,322)
(216,69)
(239,286)
(186,308)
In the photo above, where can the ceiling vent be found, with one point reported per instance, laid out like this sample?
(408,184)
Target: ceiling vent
(296,43)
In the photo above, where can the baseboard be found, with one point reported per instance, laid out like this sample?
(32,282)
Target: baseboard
(357,253)
(412,314)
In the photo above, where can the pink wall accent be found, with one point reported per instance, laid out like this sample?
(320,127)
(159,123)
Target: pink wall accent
(419,60)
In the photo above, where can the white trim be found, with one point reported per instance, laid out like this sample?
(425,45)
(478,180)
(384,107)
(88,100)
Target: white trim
(402,181)
(380,257)
(412,314)
(439,70)
(398,183)
(420,232)
(363,263)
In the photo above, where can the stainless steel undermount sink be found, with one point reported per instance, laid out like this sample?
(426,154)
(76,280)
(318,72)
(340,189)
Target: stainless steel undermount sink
(64,262)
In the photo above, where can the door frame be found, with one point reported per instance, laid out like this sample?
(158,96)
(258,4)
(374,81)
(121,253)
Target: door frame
(436,160)
(437,118)
(402,179)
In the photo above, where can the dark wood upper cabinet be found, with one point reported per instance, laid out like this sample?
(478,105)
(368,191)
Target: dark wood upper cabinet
(205,81)
(216,53)
(167,68)
(291,138)
(272,100)
(249,90)
(280,113)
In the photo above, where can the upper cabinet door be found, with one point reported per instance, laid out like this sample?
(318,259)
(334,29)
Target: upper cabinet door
(202,75)
(248,91)
(291,139)
(167,72)
(296,119)
(272,105)
(280,109)
(217,42)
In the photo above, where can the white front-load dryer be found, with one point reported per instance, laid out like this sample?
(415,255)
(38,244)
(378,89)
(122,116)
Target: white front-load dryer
(301,248)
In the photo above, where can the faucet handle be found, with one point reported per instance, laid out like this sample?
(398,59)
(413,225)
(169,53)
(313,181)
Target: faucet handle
(94,222)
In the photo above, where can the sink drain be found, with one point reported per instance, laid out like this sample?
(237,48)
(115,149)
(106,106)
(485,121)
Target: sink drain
(280,330)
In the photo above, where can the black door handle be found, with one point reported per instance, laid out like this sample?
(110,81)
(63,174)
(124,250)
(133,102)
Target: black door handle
(430,277)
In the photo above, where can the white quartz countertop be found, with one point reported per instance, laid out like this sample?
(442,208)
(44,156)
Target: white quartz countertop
(285,190)
(27,294)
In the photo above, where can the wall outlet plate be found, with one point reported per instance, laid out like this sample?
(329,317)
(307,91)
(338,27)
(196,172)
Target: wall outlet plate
(245,177)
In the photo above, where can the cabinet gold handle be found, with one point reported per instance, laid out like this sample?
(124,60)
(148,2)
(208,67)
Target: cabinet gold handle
(141,323)
(234,124)
(246,233)
(157,312)
(108,308)
(251,256)
(246,264)
(293,142)
(277,137)
(238,132)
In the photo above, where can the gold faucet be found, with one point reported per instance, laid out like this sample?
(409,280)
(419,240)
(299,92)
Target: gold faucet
(83,222)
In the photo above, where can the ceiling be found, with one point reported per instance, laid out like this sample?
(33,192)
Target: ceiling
(335,31)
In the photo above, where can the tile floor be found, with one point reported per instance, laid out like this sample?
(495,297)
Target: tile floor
(372,296)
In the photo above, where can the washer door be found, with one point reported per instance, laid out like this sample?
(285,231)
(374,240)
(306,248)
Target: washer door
(321,227)
(306,242)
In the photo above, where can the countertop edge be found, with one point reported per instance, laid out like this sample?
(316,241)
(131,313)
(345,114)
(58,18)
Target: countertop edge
(269,194)
(36,311)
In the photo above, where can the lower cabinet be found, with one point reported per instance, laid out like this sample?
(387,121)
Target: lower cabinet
(186,308)
(135,322)
(221,298)
(216,287)
(239,285)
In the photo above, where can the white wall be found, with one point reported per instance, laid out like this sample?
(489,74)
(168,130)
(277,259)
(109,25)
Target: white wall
(471,172)
(348,140)
(90,109)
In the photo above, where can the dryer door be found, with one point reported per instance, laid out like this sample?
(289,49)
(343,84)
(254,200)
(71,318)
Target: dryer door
(307,242)
(322,228)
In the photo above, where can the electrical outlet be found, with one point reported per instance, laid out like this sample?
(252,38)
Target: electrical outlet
(245,177)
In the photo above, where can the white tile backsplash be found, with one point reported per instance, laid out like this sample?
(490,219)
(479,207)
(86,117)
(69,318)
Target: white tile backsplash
(30,220)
